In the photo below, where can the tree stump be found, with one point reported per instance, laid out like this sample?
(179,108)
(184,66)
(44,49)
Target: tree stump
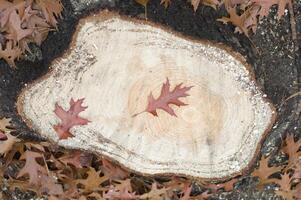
(118,64)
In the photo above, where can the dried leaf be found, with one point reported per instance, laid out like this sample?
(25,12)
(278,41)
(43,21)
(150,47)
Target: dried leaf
(69,118)
(10,53)
(113,171)
(78,159)
(32,168)
(93,181)
(155,193)
(167,97)
(5,124)
(51,9)
(6,145)
(50,186)
(285,187)
(166,3)
(142,2)
(122,191)
(264,171)
(292,150)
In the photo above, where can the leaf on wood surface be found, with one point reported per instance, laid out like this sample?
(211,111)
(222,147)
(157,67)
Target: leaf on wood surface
(167,97)
(78,159)
(122,190)
(6,145)
(113,171)
(263,172)
(32,168)
(69,118)
(93,181)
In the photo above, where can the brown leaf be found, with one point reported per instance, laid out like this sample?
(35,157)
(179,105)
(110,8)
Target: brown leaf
(6,145)
(51,10)
(10,53)
(267,4)
(155,193)
(32,168)
(69,118)
(5,124)
(285,187)
(166,3)
(112,170)
(123,191)
(93,181)
(78,159)
(50,186)
(291,149)
(142,2)
(167,97)
(236,20)
(196,3)
(264,171)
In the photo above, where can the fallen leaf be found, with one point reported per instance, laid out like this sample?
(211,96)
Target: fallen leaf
(10,53)
(155,193)
(166,3)
(113,171)
(93,181)
(69,118)
(78,159)
(123,190)
(51,9)
(167,97)
(5,124)
(32,168)
(7,145)
(263,172)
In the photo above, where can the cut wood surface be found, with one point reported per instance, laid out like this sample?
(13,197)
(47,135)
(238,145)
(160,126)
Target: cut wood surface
(115,63)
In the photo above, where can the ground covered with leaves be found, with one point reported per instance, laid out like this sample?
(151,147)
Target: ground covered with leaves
(26,162)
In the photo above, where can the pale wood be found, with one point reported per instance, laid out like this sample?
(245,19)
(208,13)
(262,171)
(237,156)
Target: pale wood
(115,62)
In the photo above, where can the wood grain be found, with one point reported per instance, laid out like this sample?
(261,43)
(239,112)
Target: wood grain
(115,62)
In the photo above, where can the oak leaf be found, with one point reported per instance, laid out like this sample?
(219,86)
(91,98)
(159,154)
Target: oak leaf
(32,168)
(112,170)
(69,118)
(292,150)
(78,159)
(5,125)
(7,144)
(267,4)
(155,193)
(50,186)
(51,9)
(265,171)
(284,186)
(167,97)
(93,181)
(196,3)
(10,53)
(122,190)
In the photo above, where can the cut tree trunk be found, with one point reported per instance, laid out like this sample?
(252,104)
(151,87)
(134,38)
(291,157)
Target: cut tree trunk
(115,63)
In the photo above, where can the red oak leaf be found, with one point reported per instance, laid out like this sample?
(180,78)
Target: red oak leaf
(78,159)
(167,97)
(69,118)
